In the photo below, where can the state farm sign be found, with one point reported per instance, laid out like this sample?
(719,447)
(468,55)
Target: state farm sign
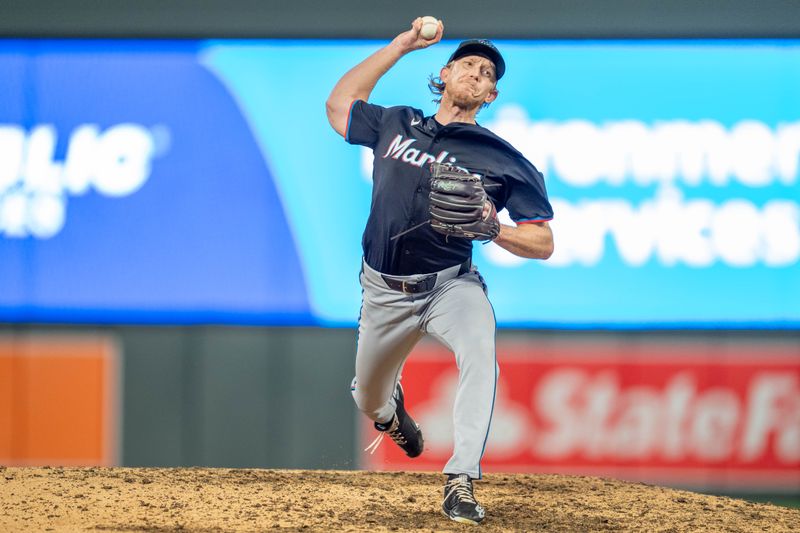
(699,414)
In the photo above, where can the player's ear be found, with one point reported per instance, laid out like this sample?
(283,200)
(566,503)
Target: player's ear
(492,96)
(444,73)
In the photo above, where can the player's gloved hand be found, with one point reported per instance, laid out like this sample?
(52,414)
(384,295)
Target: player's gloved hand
(459,205)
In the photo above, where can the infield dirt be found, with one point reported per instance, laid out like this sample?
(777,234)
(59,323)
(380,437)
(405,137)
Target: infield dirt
(205,500)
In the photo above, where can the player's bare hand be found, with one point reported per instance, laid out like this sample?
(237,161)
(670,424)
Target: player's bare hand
(411,40)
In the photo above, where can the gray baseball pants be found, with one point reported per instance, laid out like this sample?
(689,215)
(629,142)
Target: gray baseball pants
(457,312)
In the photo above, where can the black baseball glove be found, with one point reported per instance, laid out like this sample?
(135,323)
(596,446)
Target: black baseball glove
(459,205)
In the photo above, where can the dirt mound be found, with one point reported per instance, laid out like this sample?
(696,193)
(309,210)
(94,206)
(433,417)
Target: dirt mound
(194,499)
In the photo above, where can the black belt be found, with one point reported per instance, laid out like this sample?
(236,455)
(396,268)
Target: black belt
(425,284)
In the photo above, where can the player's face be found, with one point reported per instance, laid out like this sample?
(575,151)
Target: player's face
(470,81)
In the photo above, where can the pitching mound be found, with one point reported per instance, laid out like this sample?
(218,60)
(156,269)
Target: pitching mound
(181,499)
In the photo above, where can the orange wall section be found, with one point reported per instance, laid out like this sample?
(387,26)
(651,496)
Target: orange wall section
(59,400)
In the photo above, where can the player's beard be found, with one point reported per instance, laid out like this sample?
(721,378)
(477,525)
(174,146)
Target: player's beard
(464,97)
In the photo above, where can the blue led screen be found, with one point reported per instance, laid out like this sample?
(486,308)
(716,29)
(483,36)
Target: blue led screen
(185,182)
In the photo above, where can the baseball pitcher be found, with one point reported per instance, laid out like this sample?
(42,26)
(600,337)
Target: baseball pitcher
(438,182)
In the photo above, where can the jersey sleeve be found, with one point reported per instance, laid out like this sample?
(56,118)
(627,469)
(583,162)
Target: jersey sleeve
(527,199)
(364,123)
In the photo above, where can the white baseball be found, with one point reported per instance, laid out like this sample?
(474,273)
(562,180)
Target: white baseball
(429,27)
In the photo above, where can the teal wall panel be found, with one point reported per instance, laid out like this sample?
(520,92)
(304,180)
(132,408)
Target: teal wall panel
(153,429)
(231,397)
(534,19)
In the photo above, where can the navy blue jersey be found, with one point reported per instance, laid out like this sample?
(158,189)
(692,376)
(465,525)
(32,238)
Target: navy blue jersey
(404,143)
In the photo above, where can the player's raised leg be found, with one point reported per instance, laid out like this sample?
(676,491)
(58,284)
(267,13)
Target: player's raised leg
(387,332)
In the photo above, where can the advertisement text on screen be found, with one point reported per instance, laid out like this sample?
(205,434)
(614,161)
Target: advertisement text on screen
(34,185)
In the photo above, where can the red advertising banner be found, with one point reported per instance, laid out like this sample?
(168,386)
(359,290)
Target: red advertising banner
(689,414)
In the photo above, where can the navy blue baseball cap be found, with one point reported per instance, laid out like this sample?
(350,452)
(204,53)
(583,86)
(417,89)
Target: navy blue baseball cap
(483,48)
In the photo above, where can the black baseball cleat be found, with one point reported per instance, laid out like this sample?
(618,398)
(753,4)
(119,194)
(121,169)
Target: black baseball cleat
(401,429)
(459,501)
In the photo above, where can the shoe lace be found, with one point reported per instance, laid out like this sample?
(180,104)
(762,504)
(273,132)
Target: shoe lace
(462,489)
(393,432)
(374,444)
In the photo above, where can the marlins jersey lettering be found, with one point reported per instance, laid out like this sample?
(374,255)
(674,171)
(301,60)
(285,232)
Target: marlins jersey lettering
(404,143)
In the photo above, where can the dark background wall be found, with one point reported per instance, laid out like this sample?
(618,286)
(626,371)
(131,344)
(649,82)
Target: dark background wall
(229,396)
(541,19)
